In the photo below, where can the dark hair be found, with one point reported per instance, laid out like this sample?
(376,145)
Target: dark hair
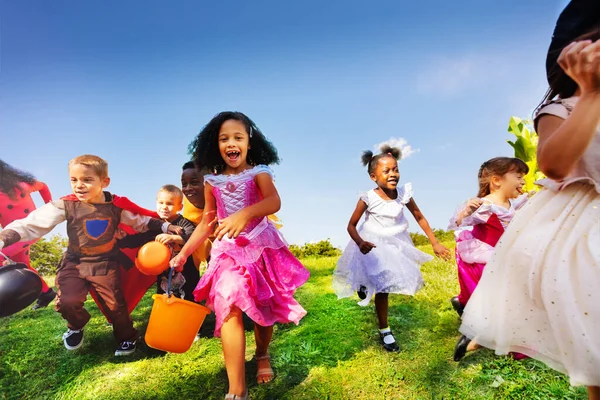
(205,148)
(561,84)
(370,161)
(188,165)
(11,177)
(498,166)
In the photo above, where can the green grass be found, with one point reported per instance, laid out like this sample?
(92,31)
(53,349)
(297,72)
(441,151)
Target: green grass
(333,354)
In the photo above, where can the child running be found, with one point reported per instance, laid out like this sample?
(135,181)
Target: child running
(501,181)
(381,257)
(539,294)
(251,269)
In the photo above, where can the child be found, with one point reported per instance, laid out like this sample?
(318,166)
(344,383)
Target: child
(251,269)
(169,201)
(89,261)
(501,181)
(16,202)
(539,292)
(381,258)
(192,185)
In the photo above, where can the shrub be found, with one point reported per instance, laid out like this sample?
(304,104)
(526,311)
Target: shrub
(324,248)
(45,254)
(443,236)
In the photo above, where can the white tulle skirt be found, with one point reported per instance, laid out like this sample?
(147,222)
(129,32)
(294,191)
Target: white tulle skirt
(393,266)
(540,292)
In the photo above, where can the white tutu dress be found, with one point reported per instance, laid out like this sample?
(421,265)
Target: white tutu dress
(393,266)
(540,292)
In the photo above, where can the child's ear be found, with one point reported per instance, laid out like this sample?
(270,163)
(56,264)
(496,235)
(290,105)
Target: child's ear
(105,182)
(373,177)
(495,180)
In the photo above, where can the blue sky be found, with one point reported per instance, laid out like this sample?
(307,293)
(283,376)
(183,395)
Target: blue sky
(135,81)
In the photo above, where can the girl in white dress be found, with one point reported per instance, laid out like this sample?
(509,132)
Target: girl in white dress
(540,292)
(381,257)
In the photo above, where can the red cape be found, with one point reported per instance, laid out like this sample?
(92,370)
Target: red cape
(133,282)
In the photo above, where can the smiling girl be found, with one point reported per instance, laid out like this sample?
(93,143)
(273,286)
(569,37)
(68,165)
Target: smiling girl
(381,258)
(251,270)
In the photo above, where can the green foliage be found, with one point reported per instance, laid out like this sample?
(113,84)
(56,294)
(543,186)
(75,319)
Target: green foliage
(525,147)
(421,240)
(46,254)
(324,248)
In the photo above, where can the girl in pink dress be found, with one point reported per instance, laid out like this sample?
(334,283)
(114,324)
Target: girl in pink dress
(16,203)
(481,221)
(251,269)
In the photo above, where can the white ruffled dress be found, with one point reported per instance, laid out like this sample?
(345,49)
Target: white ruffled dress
(540,292)
(393,266)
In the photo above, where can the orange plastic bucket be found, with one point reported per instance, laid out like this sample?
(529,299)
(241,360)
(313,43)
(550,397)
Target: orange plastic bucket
(174,322)
(153,258)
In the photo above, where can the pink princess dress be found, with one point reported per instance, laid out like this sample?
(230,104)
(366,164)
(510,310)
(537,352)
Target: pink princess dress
(476,238)
(256,271)
(540,292)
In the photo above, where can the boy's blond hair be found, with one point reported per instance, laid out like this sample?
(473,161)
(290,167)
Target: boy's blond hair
(172,189)
(96,163)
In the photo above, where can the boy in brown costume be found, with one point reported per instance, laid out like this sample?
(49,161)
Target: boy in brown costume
(90,259)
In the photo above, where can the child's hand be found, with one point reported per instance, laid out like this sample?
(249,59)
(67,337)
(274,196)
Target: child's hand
(165,238)
(441,251)
(232,225)
(120,234)
(177,263)
(365,246)
(472,206)
(174,229)
(581,62)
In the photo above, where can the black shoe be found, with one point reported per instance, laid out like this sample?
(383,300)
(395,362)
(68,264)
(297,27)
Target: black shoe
(459,308)
(44,299)
(125,348)
(73,339)
(362,292)
(392,347)
(461,348)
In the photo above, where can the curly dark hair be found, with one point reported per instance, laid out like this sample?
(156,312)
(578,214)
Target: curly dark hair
(10,177)
(498,166)
(370,161)
(205,148)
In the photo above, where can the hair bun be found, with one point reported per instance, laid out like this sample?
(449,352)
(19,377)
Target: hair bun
(395,152)
(366,157)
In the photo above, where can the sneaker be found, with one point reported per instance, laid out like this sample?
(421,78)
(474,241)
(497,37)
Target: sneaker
(44,299)
(389,342)
(458,307)
(362,292)
(125,348)
(73,339)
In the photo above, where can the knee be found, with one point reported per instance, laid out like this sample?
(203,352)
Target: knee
(65,303)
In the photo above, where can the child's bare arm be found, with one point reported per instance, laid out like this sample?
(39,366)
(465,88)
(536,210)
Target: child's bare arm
(439,249)
(166,238)
(363,245)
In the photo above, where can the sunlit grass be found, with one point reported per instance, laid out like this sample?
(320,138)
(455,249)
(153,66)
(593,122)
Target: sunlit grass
(333,354)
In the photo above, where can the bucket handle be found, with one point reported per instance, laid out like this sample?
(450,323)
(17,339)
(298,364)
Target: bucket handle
(169,291)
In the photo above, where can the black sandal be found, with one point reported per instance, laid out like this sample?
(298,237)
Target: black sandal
(461,348)
(391,347)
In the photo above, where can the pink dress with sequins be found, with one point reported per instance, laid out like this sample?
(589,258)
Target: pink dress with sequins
(255,272)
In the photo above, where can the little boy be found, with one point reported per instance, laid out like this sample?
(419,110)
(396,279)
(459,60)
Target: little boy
(192,185)
(169,201)
(90,259)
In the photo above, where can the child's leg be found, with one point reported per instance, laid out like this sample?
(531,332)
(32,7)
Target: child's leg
(233,340)
(381,306)
(19,252)
(72,292)
(110,295)
(263,335)
(593,392)
(192,276)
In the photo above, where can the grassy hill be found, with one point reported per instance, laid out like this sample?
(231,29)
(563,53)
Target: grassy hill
(333,354)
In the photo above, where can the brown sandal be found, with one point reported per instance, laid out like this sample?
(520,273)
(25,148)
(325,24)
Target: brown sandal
(264,375)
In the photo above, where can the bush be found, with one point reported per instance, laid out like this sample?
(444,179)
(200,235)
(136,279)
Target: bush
(45,254)
(324,248)
(443,236)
